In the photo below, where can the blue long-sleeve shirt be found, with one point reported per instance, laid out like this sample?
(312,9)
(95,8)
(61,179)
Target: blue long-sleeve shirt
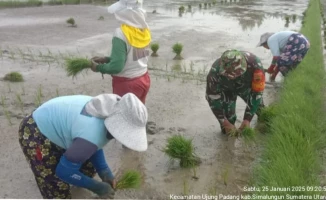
(64,122)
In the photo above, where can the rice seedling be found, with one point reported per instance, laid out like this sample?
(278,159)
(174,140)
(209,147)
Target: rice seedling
(38,97)
(12,55)
(178,147)
(205,5)
(9,87)
(14,77)
(214,2)
(200,6)
(8,117)
(287,19)
(3,104)
(189,7)
(130,179)
(23,90)
(74,66)
(39,91)
(195,177)
(225,176)
(177,49)
(294,18)
(71,22)
(101,18)
(209,4)
(248,134)
(267,114)
(185,187)
(155,47)
(20,102)
(181,9)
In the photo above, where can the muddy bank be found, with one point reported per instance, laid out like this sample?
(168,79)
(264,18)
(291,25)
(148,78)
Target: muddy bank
(175,105)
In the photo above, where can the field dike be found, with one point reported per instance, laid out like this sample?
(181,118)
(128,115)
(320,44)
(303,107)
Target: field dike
(291,163)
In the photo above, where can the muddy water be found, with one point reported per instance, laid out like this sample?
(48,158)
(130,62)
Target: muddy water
(177,107)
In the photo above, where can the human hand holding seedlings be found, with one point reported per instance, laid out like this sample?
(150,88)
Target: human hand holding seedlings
(228,126)
(107,177)
(245,124)
(93,66)
(100,60)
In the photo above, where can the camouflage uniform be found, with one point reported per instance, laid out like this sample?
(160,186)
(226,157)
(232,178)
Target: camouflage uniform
(231,76)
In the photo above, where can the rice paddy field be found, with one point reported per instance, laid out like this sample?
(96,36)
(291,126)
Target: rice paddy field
(36,41)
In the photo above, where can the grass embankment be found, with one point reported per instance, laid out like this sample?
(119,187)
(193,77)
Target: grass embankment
(17,4)
(35,3)
(293,148)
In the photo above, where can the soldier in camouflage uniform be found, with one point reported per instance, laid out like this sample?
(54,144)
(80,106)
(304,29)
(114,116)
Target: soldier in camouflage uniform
(235,73)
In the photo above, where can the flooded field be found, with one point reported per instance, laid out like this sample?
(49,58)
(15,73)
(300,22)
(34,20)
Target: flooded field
(177,105)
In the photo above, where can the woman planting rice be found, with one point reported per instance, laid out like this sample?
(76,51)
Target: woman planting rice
(288,49)
(235,73)
(63,139)
(130,51)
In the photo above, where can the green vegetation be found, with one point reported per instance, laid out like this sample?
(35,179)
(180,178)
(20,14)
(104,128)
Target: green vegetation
(177,49)
(130,179)
(155,47)
(76,65)
(297,132)
(14,77)
(178,147)
(71,22)
(17,4)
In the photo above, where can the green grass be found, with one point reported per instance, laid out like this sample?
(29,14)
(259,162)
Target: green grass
(293,148)
(14,77)
(17,4)
(178,147)
(130,179)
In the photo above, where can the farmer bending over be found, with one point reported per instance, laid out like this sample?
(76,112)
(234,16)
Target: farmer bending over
(130,50)
(288,49)
(235,73)
(63,139)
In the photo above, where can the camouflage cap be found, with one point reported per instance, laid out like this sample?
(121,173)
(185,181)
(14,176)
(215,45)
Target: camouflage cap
(232,64)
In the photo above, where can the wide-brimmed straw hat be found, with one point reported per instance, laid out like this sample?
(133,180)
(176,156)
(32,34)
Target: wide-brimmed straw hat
(122,4)
(125,118)
(263,38)
(232,64)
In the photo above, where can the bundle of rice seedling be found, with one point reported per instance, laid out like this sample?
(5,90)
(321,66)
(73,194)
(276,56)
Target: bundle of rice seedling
(248,134)
(130,179)
(75,65)
(267,114)
(14,77)
(182,149)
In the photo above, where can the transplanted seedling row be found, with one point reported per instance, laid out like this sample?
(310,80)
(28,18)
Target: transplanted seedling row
(176,48)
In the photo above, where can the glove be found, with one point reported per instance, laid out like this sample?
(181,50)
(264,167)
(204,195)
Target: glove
(106,176)
(103,190)
(228,126)
(100,60)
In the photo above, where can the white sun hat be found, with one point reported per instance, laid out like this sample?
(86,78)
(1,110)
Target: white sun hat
(263,38)
(122,4)
(125,118)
